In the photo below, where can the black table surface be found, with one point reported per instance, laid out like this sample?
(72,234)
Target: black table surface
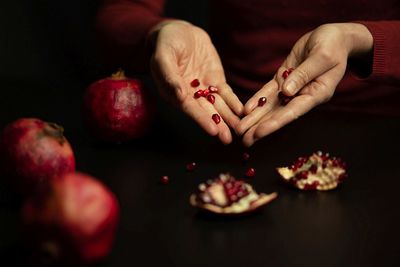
(356,224)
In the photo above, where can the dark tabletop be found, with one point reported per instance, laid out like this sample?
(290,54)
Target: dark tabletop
(355,225)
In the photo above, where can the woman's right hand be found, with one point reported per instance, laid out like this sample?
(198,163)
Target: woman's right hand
(182,53)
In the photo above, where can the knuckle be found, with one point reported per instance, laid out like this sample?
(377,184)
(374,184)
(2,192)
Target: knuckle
(292,115)
(302,76)
(327,56)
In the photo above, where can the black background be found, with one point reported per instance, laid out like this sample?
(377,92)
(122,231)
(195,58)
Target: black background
(47,60)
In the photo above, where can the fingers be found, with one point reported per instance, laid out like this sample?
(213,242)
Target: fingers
(223,131)
(279,118)
(200,115)
(226,113)
(312,67)
(233,102)
(266,91)
(257,114)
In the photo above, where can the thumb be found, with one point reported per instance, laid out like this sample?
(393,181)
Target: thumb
(313,67)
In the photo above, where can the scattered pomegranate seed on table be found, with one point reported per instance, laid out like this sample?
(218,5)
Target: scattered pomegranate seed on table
(164,179)
(191,166)
(250,172)
(216,118)
(245,156)
(211,99)
(262,101)
(195,83)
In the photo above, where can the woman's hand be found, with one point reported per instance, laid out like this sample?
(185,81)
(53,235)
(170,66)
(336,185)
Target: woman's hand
(319,60)
(182,53)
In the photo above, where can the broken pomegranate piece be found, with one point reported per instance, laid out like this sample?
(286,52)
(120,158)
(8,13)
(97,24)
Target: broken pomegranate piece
(226,195)
(319,171)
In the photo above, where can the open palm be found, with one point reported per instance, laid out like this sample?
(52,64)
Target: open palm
(184,52)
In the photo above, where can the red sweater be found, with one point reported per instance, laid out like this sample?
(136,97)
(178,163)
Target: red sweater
(253,37)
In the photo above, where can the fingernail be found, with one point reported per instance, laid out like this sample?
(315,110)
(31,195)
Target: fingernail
(291,87)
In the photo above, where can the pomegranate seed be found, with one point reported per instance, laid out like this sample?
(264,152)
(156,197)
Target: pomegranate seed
(262,101)
(195,83)
(191,166)
(205,92)
(165,179)
(211,99)
(213,89)
(287,72)
(311,186)
(302,175)
(245,156)
(216,118)
(250,172)
(313,169)
(198,94)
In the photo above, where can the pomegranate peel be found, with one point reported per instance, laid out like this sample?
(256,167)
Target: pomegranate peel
(316,172)
(227,196)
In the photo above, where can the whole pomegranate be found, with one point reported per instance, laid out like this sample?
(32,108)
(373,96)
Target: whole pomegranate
(117,109)
(73,222)
(32,152)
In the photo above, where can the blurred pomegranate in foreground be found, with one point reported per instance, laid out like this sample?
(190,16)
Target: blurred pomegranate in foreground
(32,152)
(73,222)
(117,108)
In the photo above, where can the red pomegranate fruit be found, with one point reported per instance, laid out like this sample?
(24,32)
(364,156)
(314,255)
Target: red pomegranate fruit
(33,151)
(117,109)
(74,221)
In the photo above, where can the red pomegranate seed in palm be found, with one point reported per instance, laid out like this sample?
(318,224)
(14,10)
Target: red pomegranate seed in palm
(262,101)
(191,166)
(205,92)
(250,172)
(213,89)
(287,72)
(198,94)
(211,99)
(165,179)
(195,83)
(216,118)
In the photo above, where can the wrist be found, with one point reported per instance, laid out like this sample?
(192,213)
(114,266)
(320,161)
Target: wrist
(152,35)
(360,40)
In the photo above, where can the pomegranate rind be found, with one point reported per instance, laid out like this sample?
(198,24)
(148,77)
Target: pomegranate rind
(327,175)
(262,200)
(246,204)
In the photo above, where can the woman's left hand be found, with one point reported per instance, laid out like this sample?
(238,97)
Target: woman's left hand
(319,61)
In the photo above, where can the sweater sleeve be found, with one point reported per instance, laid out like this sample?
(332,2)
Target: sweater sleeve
(122,27)
(386,52)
